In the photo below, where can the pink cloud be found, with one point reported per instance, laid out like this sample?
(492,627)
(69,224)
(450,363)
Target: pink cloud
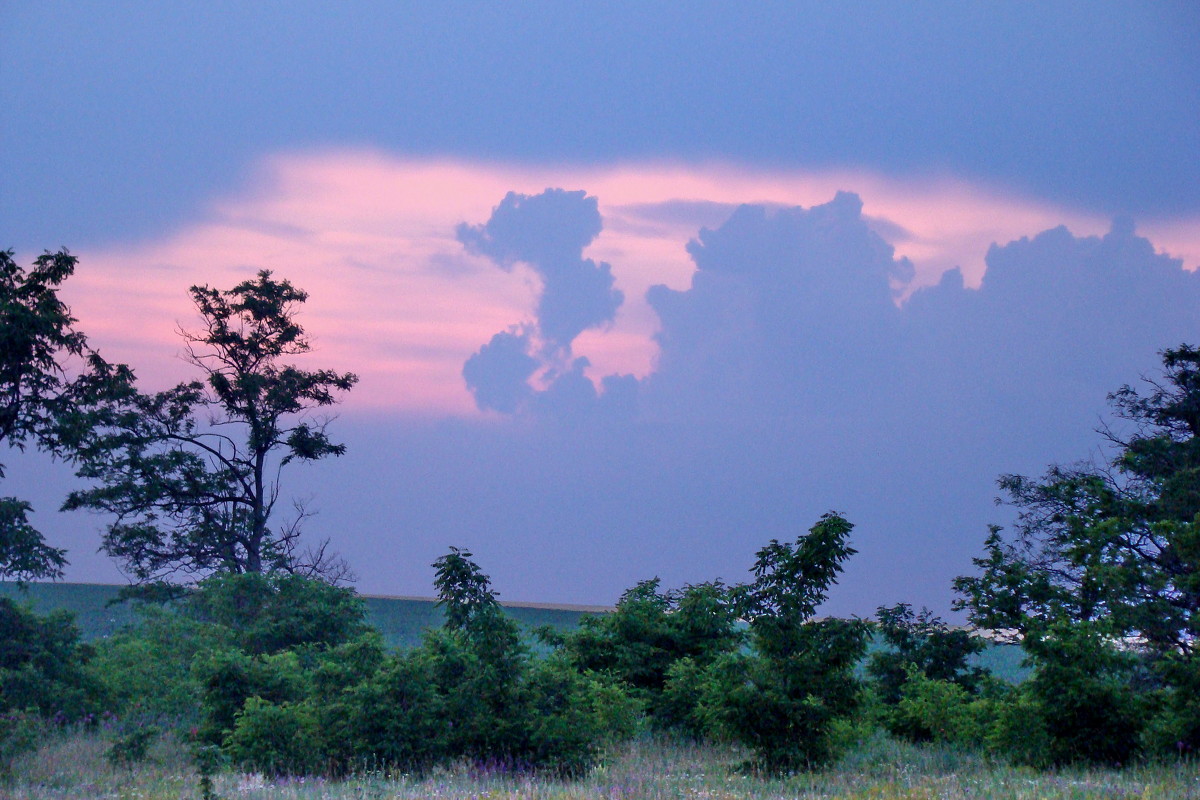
(395,298)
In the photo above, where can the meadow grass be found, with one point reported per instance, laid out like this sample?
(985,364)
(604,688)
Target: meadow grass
(73,765)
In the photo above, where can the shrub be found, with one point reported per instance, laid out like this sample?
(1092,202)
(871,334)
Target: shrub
(1173,729)
(228,678)
(271,613)
(146,669)
(784,699)
(924,642)
(784,705)
(277,739)
(939,711)
(648,633)
(574,717)
(396,717)
(43,665)
(20,733)
(1019,732)
(132,746)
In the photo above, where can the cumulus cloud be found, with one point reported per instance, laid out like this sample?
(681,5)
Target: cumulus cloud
(1057,322)
(498,375)
(548,232)
(788,309)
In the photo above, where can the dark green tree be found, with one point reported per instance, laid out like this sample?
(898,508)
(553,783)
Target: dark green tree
(41,393)
(648,634)
(1106,558)
(43,665)
(783,700)
(192,474)
(924,641)
(464,592)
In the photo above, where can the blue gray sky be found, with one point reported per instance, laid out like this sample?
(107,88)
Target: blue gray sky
(633,288)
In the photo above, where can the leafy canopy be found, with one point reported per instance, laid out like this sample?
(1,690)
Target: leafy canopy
(192,474)
(40,402)
(1114,545)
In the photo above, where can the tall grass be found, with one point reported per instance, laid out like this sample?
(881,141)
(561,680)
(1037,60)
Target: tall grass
(72,764)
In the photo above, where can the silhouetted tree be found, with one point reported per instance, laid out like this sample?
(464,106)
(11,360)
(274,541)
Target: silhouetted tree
(192,473)
(1104,563)
(40,401)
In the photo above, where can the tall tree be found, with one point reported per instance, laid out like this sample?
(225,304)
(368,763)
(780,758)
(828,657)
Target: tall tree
(1101,577)
(41,393)
(192,474)
(1116,545)
(783,699)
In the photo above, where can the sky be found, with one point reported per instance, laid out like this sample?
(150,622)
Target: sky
(632,288)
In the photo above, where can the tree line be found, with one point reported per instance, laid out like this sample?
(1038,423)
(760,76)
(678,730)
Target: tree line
(249,647)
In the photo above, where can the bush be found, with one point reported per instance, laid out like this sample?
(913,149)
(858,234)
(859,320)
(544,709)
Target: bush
(277,739)
(924,642)
(146,670)
(228,678)
(43,665)
(1173,729)
(785,699)
(1084,689)
(271,613)
(648,633)
(1019,732)
(938,711)
(574,717)
(20,732)
(395,717)
(132,746)
(785,705)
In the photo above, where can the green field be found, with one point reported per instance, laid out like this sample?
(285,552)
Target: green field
(401,620)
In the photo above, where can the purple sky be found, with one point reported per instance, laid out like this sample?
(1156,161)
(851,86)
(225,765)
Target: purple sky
(632,291)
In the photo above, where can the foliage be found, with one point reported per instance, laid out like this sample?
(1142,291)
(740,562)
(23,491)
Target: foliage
(228,678)
(472,691)
(939,710)
(648,634)
(276,738)
(20,733)
(464,592)
(1119,545)
(39,403)
(1085,692)
(191,474)
(925,642)
(132,746)
(395,715)
(1106,556)
(24,554)
(271,613)
(784,699)
(43,665)
(145,670)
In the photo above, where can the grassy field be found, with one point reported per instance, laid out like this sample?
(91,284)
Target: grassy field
(400,620)
(73,765)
